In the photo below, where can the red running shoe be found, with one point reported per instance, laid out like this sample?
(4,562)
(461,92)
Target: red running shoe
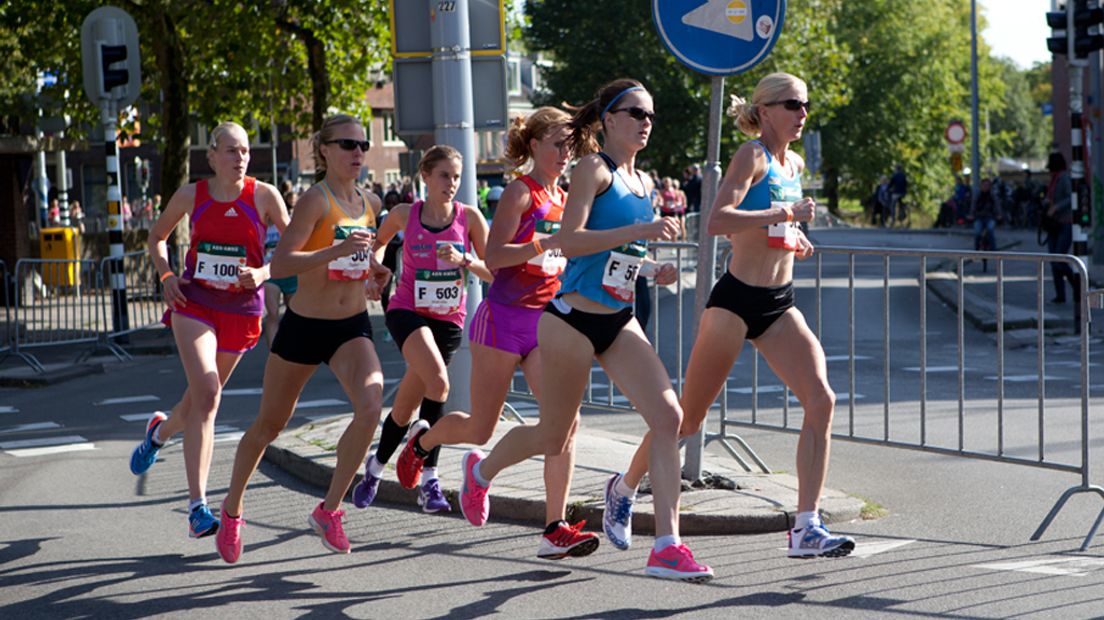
(567,541)
(409,466)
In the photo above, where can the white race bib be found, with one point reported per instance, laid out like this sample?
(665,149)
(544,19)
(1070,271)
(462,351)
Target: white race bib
(354,266)
(218,265)
(548,262)
(622,268)
(440,292)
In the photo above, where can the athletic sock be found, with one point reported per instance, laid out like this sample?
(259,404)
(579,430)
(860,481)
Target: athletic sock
(196,503)
(429,473)
(390,438)
(805,519)
(623,489)
(483,482)
(430,412)
(375,467)
(662,542)
(553,526)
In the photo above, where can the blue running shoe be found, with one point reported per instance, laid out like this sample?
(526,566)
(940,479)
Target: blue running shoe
(145,454)
(617,517)
(816,541)
(364,493)
(430,497)
(201,522)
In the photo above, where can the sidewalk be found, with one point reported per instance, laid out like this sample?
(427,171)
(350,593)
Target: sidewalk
(758,503)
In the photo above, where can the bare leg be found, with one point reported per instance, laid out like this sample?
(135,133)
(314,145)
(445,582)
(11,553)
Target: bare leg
(358,369)
(558,469)
(283,382)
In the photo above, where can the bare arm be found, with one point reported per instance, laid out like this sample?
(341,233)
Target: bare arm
(395,221)
(179,205)
(500,251)
(590,177)
(748,165)
(289,259)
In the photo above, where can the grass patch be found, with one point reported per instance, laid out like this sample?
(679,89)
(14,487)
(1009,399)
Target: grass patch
(328,447)
(871,509)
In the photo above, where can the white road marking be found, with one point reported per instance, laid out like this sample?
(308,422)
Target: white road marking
(325,402)
(42,441)
(1060,566)
(242,392)
(864,549)
(844,358)
(763,389)
(1026,378)
(72,447)
(938,369)
(219,438)
(136,417)
(35,426)
(122,400)
(7,409)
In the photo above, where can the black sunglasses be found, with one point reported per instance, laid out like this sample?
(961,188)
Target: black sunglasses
(637,113)
(793,105)
(348,144)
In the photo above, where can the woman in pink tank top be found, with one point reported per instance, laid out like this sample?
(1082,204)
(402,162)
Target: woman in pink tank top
(443,241)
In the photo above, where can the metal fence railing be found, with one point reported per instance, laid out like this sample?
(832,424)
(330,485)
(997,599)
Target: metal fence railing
(8,293)
(57,302)
(144,306)
(979,408)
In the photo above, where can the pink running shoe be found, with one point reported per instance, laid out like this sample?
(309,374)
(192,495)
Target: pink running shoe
(474,502)
(228,539)
(676,562)
(327,524)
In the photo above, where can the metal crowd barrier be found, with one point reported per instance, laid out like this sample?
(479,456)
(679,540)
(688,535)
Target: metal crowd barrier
(980,419)
(143,295)
(8,293)
(57,302)
(667,340)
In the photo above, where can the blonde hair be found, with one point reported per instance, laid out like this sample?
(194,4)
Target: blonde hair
(326,133)
(221,130)
(436,154)
(539,124)
(769,89)
(587,120)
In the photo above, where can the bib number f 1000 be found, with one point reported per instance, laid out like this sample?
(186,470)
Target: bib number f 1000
(218,265)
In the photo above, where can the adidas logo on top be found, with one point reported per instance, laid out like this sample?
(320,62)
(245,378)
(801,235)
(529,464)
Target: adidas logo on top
(231,212)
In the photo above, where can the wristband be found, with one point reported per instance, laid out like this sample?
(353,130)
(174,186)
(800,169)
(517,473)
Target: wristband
(467,260)
(789,213)
(537,246)
(166,276)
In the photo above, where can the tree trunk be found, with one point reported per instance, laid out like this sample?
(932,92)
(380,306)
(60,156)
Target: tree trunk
(316,67)
(170,55)
(831,188)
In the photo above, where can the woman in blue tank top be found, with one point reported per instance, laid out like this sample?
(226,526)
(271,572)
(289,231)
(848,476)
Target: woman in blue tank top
(758,206)
(607,222)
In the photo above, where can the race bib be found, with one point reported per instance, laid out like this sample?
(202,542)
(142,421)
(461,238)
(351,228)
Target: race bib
(548,262)
(440,292)
(622,268)
(355,266)
(783,235)
(218,265)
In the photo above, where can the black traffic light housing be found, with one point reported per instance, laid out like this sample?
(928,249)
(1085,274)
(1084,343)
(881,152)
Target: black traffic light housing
(1084,20)
(1057,43)
(109,55)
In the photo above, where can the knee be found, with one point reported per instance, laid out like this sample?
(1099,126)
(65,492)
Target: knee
(820,406)
(555,444)
(668,421)
(437,386)
(267,430)
(205,399)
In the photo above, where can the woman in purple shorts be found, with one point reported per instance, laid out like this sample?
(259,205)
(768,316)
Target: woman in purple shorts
(524,255)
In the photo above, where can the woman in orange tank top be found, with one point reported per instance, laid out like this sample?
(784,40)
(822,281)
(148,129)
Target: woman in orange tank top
(327,245)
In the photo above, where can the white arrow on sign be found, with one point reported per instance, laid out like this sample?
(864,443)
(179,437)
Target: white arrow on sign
(731,18)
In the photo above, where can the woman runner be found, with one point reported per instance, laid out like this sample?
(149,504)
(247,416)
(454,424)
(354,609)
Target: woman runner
(757,206)
(215,307)
(426,314)
(327,245)
(523,253)
(607,218)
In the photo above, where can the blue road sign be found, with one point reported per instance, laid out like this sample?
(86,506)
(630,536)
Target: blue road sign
(719,37)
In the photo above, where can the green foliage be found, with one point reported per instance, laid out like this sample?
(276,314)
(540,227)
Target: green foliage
(1019,129)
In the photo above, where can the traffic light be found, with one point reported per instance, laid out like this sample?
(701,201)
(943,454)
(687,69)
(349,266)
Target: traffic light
(1057,42)
(1086,19)
(109,55)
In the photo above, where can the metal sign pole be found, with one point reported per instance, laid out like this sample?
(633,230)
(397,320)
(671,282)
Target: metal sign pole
(454,125)
(120,319)
(707,248)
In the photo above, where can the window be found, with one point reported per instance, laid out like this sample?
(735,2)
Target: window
(390,138)
(391,176)
(513,76)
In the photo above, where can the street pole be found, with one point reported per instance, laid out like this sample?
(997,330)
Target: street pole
(62,182)
(1079,198)
(707,250)
(454,125)
(975,138)
(120,319)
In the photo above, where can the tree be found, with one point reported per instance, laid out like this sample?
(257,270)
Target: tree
(1017,128)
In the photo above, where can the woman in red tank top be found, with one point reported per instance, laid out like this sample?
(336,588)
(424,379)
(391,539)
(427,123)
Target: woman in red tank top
(214,307)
